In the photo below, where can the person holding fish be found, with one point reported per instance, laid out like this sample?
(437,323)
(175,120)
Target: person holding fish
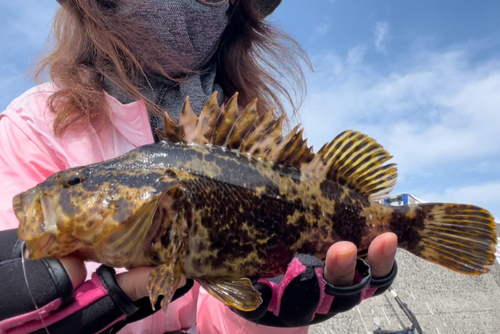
(118,65)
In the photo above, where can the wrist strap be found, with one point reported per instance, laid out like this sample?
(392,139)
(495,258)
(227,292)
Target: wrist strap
(119,298)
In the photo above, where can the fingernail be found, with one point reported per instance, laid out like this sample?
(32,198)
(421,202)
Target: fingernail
(345,259)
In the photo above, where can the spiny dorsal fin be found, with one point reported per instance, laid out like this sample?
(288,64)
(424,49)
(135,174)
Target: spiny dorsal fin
(207,121)
(242,126)
(245,132)
(170,131)
(226,121)
(183,132)
(351,158)
(356,160)
(263,123)
(267,141)
(188,123)
(191,128)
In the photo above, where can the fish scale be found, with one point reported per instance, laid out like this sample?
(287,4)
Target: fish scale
(225,197)
(244,220)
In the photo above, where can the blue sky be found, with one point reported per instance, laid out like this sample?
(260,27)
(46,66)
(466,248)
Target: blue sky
(421,77)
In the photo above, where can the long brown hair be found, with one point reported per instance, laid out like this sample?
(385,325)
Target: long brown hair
(93,41)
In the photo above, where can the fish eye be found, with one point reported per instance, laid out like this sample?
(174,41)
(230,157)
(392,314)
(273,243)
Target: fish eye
(74,179)
(155,258)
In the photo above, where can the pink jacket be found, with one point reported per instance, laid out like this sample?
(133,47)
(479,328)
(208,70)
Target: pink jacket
(29,153)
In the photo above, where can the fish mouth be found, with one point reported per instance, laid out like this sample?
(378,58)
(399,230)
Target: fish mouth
(17,205)
(37,220)
(33,206)
(48,213)
(28,207)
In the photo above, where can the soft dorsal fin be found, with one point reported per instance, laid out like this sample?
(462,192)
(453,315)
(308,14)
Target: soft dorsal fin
(352,159)
(355,160)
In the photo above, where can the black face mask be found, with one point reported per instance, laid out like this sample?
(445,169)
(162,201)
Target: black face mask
(189,30)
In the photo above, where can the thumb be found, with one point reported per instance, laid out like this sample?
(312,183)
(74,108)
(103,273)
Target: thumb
(76,270)
(135,282)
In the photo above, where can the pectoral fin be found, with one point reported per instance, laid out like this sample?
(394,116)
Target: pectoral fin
(238,293)
(163,281)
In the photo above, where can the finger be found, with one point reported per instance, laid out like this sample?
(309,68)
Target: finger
(135,282)
(340,263)
(75,268)
(381,254)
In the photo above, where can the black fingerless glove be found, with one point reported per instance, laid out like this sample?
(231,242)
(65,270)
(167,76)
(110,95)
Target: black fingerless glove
(302,297)
(96,305)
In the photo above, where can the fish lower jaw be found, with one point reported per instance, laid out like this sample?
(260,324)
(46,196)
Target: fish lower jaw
(49,215)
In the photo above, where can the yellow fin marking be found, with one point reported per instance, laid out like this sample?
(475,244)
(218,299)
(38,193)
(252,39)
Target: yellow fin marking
(355,160)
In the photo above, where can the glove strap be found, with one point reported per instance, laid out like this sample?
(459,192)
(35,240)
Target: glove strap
(119,298)
(340,299)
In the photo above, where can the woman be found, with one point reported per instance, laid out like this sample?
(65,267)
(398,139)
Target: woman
(117,66)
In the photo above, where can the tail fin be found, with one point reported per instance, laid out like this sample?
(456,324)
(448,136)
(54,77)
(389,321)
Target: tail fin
(459,237)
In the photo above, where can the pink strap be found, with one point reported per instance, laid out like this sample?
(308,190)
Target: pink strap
(366,293)
(295,268)
(327,300)
(87,294)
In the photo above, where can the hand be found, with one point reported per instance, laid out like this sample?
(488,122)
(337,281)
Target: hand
(301,289)
(341,259)
(133,282)
(75,268)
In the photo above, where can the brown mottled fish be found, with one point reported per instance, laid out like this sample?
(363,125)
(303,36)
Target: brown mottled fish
(225,196)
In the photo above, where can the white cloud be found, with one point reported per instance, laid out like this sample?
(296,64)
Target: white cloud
(356,55)
(486,194)
(438,113)
(381,31)
(324,27)
(439,108)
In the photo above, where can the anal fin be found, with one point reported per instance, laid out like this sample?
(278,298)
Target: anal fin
(238,293)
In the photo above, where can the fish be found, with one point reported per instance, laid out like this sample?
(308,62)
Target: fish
(227,196)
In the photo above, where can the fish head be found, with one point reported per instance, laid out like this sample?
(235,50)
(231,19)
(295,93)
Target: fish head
(103,209)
